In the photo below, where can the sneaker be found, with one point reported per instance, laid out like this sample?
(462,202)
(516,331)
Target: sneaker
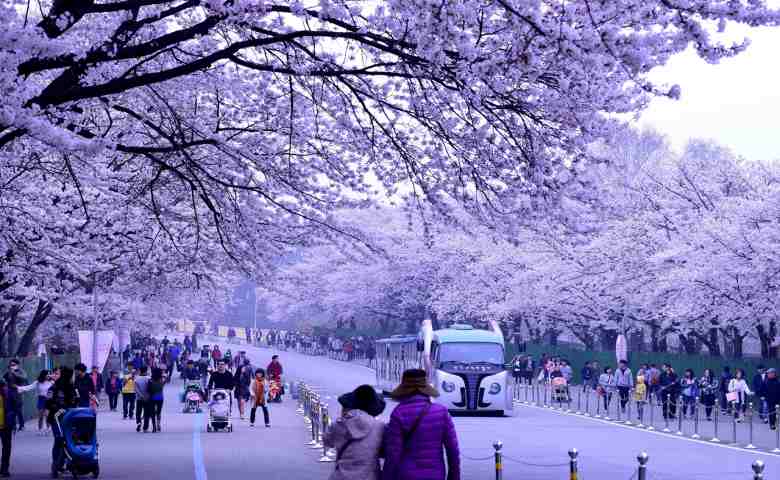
(267,425)
(251,424)
(5,474)
(138,427)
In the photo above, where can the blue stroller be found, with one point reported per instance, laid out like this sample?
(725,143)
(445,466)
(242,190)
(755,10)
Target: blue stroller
(79,429)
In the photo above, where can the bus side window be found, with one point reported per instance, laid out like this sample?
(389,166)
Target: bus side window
(435,354)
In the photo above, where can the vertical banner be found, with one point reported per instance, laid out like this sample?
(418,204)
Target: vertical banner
(105,339)
(123,338)
(621,348)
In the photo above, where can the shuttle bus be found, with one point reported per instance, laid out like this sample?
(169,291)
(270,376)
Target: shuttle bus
(466,365)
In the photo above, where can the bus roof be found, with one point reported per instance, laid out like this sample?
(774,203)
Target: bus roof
(398,339)
(452,335)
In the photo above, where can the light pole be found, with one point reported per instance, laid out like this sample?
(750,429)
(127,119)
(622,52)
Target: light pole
(94,322)
(254,313)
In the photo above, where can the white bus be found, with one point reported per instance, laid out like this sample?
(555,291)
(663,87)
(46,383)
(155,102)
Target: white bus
(466,365)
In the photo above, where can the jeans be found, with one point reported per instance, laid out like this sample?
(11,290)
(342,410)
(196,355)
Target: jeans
(57,448)
(153,411)
(113,399)
(265,414)
(128,405)
(689,403)
(623,392)
(669,403)
(140,410)
(6,437)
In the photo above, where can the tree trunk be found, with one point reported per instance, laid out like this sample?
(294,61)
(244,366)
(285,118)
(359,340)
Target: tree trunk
(42,312)
(767,337)
(607,339)
(552,336)
(689,343)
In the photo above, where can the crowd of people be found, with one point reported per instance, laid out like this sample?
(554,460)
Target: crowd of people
(731,392)
(346,348)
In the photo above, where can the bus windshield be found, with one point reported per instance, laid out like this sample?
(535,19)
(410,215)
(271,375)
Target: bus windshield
(467,352)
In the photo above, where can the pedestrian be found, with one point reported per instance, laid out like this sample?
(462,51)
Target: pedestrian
(654,378)
(708,387)
(772,395)
(113,387)
(243,379)
(97,380)
(419,434)
(63,397)
(624,382)
(689,388)
(15,377)
(141,396)
(725,379)
(153,408)
(85,387)
(668,391)
(357,435)
(738,393)
(6,430)
(640,397)
(587,375)
(257,392)
(758,389)
(128,393)
(606,386)
(44,383)
(567,371)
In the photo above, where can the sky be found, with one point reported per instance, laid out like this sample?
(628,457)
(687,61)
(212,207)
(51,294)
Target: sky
(736,103)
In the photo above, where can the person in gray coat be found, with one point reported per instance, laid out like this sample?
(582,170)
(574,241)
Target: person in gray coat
(357,435)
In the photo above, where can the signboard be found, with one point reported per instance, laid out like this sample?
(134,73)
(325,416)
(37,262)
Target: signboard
(222,331)
(105,339)
(621,348)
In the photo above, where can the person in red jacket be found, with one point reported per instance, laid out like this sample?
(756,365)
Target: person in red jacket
(274,368)
(419,433)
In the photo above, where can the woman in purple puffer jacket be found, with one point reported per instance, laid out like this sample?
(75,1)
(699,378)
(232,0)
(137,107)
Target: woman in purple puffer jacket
(419,433)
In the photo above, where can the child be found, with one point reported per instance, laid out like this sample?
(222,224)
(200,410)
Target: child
(640,397)
(257,392)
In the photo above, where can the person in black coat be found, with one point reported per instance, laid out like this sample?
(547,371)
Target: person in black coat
(668,391)
(63,396)
(85,387)
(772,394)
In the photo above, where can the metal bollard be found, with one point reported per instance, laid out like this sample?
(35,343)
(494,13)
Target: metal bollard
(777,431)
(497,445)
(598,407)
(607,405)
(680,416)
(628,407)
(651,402)
(667,411)
(579,402)
(573,453)
(642,458)
(715,438)
(734,426)
(325,426)
(587,402)
(696,419)
(750,445)
(758,470)
(619,407)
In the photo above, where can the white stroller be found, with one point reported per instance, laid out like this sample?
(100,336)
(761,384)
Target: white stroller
(220,406)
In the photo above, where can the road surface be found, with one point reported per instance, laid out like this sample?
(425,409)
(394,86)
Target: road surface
(536,442)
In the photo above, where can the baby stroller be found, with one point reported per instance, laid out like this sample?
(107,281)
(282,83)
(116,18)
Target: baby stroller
(560,390)
(79,430)
(220,405)
(192,396)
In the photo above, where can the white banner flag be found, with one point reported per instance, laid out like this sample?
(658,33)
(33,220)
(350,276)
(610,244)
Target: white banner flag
(104,340)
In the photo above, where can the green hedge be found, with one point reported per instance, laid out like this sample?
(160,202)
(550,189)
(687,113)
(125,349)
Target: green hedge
(680,362)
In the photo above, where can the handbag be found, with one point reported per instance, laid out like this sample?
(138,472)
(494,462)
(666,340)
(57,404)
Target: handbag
(732,396)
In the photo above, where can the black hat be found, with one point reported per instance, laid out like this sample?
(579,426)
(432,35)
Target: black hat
(363,398)
(414,381)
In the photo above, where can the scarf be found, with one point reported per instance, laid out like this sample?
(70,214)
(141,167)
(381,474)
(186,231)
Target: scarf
(259,393)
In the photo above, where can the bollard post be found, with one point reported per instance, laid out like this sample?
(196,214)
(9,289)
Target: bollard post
(651,400)
(750,445)
(665,407)
(696,419)
(587,402)
(715,438)
(573,453)
(680,416)
(628,407)
(777,430)
(598,406)
(734,425)
(758,470)
(619,407)
(579,402)
(641,473)
(325,426)
(608,404)
(497,445)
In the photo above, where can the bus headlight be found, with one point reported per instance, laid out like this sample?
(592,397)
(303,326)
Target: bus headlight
(448,387)
(495,388)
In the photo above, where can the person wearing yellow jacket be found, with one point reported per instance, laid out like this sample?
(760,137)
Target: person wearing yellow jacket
(640,397)
(128,394)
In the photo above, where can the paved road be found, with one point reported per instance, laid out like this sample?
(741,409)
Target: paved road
(536,437)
